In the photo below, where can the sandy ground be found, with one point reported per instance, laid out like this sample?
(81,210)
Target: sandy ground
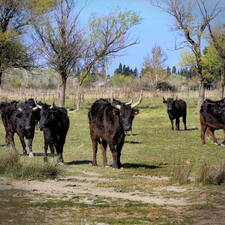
(75,185)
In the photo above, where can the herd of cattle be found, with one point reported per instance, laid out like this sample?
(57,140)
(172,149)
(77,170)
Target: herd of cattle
(109,121)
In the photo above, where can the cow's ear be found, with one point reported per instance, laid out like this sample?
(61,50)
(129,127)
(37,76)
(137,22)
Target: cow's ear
(164,100)
(135,111)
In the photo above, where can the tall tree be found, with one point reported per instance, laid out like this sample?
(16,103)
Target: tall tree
(192,27)
(154,64)
(69,49)
(217,35)
(13,53)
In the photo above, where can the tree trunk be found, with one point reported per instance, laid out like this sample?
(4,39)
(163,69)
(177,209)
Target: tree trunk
(201,96)
(222,81)
(78,97)
(1,78)
(62,92)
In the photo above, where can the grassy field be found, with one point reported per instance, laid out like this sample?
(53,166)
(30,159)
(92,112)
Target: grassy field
(140,193)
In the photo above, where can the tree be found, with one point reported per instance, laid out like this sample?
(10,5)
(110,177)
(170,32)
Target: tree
(153,64)
(168,71)
(13,53)
(174,70)
(70,50)
(218,41)
(192,28)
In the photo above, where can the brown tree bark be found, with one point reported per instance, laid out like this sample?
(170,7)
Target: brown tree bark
(62,91)
(1,78)
(201,94)
(222,80)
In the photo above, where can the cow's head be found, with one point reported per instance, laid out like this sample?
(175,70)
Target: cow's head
(170,103)
(47,116)
(26,113)
(127,112)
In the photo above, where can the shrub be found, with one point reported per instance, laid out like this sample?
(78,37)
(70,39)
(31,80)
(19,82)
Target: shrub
(211,175)
(11,165)
(180,173)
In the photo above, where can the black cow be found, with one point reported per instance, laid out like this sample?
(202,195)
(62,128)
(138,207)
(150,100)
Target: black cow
(54,122)
(212,117)
(108,123)
(19,119)
(176,109)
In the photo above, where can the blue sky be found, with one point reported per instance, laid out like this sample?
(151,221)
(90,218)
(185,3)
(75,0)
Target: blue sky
(155,28)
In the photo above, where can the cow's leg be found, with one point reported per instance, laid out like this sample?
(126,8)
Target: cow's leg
(210,131)
(30,141)
(59,150)
(95,149)
(203,130)
(22,141)
(52,149)
(172,126)
(103,147)
(115,156)
(46,151)
(7,139)
(177,123)
(10,141)
(184,122)
(119,148)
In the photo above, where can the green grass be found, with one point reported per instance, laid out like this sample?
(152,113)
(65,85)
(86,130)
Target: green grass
(154,150)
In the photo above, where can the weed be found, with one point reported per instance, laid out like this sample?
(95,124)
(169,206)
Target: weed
(211,175)
(11,165)
(180,173)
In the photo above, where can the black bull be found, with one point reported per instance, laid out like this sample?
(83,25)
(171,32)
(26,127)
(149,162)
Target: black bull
(54,122)
(108,122)
(176,109)
(19,119)
(212,117)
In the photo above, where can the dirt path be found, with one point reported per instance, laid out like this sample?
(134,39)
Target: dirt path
(87,185)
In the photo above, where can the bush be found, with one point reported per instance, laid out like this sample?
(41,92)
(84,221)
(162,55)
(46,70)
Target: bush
(180,173)
(11,165)
(211,175)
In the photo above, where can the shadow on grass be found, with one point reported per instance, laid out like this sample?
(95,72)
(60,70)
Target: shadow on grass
(131,135)
(133,142)
(190,129)
(79,162)
(137,165)
(38,154)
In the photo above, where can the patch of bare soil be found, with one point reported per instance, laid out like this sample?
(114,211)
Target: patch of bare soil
(72,186)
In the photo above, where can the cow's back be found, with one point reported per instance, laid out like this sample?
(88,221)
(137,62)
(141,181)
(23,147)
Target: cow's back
(180,107)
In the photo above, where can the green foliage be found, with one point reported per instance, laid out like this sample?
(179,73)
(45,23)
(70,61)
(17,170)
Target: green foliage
(211,61)
(119,80)
(187,59)
(126,70)
(41,6)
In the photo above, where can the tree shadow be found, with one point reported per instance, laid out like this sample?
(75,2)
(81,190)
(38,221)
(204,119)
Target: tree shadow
(136,165)
(79,162)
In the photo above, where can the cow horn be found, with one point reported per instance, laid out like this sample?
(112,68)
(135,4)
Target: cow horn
(130,102)
(138,102)
(117,106)
(35,108)
(39,106)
